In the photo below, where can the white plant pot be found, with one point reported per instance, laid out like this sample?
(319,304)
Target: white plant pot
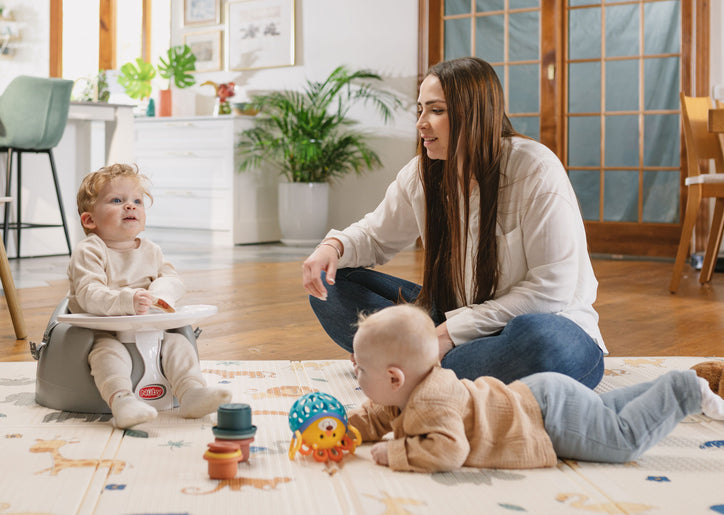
(183,102)
(303,212)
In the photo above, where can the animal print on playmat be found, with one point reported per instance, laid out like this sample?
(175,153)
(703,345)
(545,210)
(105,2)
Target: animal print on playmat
(63,463)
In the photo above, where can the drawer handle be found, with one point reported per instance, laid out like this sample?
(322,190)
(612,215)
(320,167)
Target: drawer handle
(179,124)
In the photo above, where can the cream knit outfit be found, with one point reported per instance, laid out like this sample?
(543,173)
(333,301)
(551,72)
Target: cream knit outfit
(103,282)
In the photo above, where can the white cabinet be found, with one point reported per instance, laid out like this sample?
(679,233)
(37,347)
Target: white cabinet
(195,181)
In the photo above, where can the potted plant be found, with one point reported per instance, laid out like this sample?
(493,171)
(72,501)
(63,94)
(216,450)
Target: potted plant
(180,60)
(136,79)
(95,88)
(310,138)
(222,92)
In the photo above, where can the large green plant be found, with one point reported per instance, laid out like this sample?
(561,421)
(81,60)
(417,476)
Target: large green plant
(136,78)
(308,135)
(180,60)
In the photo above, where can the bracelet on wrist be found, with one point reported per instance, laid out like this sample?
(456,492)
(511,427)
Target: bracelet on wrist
(336,249)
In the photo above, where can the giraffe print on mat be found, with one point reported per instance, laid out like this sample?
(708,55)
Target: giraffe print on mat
(61,463)
(235,484)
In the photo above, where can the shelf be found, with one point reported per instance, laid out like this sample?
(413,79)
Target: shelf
(9,33)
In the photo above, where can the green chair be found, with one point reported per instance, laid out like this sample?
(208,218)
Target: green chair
(33,115)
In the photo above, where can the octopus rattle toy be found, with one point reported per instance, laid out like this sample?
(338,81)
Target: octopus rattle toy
(319,424)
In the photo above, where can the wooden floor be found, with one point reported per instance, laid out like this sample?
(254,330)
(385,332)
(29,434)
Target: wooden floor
(264,313)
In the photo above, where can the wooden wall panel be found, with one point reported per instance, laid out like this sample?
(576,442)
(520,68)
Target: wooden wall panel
(55,68)
(107,35)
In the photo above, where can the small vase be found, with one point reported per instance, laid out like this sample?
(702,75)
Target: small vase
(151,108)
(221,108)
(164,102)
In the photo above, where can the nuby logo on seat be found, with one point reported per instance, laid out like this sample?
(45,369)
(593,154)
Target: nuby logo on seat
(152,391)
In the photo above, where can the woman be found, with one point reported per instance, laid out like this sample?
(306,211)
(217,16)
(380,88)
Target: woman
(507,277)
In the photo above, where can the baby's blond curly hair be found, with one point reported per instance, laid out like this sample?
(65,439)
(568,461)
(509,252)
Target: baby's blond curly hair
(94,182)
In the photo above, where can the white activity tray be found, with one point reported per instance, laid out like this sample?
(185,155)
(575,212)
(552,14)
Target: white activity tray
(184,315)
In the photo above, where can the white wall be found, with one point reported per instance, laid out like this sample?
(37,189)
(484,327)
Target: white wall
(330,33)
(32,52)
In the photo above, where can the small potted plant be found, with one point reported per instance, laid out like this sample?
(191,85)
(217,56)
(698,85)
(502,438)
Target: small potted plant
(223,92)
(95,88)
(180,60)
(136,79)
(310,139)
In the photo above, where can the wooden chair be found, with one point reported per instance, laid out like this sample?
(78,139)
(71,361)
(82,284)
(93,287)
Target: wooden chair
(701,145)
(720,105)
(11,295)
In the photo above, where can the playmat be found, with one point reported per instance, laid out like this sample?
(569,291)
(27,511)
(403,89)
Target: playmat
(65,463)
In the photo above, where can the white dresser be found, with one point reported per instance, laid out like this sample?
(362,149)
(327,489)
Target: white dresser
(195,181)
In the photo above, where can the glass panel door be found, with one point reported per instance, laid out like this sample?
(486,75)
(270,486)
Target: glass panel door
(506,33)
(598,82)
(623,62)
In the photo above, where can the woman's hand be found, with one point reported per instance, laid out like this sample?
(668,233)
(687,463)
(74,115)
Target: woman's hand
(379,453)
(324,258)
(443,339)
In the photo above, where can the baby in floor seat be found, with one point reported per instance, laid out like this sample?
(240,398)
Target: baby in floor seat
(114,272)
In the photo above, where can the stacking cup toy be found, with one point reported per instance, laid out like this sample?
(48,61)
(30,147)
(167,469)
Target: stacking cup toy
(223,459)
(234,426)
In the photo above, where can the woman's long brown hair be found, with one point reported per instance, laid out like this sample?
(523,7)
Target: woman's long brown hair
(478,123)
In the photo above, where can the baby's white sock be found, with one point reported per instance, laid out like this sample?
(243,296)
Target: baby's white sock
(200,401)
(711,404)
(129,411)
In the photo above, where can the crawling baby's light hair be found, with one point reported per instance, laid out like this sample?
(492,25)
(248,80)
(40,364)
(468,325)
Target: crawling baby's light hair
(405,332)
(94,182)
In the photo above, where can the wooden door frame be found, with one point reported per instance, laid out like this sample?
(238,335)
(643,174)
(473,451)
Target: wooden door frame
(431,51)
(55,65)
(429,37)
(106,32)
(700,88)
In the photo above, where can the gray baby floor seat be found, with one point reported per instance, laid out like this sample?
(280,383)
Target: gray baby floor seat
(63,378)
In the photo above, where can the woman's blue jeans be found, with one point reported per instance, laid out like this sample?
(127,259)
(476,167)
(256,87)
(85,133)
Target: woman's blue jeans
(529,344)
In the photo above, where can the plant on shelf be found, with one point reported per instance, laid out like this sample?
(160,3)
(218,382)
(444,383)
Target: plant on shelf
(136,78)
(222,92)
(180,60)
(95,88)
(309,136)
(176,68)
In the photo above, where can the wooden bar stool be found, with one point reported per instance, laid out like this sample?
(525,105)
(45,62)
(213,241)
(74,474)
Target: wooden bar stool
(11,295)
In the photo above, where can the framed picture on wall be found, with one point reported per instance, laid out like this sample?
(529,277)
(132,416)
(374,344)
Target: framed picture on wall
(206,46)
(259,34)
(202,12)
